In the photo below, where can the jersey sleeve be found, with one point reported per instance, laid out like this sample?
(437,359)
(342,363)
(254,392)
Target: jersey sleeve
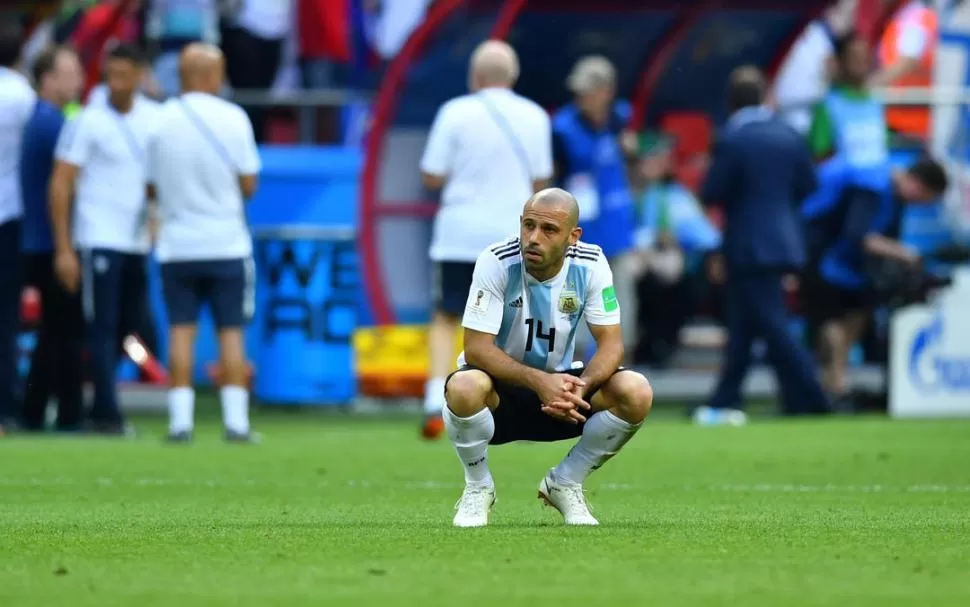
(76,141)
(486,298)
(438,150)
(602,307)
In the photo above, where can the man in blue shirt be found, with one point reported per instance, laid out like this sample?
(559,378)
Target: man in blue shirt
(760,172)
(56,361)
(590,150)
(853,217)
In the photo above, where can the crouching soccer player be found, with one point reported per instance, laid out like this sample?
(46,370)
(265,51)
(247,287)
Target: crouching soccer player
(516,380)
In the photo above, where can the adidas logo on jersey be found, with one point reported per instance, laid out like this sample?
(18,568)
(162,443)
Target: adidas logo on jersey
(517,303)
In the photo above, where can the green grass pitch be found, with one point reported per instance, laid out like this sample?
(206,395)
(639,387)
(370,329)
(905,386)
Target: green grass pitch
(333,510)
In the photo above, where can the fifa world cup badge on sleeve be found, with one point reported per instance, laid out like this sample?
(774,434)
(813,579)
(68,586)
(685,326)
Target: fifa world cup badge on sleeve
(609,299)
(481,302)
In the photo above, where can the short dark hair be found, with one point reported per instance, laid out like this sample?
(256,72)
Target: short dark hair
(46,61)
(11,41)
(747,88)
(931,174)
(844,43)
(127,52)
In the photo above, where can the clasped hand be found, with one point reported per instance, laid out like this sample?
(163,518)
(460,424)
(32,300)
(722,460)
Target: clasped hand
(562,397)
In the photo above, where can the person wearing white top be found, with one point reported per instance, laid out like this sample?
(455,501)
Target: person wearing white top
(488,151)
(17,99)
(201,172)
(101,244)
(516,379)
(806,72)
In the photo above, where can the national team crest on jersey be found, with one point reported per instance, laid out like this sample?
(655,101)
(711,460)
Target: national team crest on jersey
(568,301)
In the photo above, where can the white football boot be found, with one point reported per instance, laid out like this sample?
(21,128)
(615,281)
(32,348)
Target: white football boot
(568,499)
(474,505)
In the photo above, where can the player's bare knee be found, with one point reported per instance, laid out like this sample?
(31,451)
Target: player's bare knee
(633,396)
(467,391)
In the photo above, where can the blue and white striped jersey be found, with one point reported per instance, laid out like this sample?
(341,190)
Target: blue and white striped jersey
(536,322)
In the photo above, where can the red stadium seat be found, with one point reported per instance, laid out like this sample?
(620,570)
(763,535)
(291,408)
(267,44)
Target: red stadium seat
(282,130)
(691,130)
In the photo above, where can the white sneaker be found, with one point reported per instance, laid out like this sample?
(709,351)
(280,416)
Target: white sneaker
(568,499)
(473,506)
(706,416)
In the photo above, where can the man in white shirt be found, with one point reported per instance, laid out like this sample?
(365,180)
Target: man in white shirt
(201,171)
(806,72)
(516,379)
(101,247)
(17,100)
(488,150)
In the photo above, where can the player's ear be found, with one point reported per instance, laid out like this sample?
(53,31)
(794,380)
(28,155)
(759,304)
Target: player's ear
(574,235)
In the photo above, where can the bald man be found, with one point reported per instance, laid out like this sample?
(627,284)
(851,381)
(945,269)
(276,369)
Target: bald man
(516,380)
(201,172)
(487,151)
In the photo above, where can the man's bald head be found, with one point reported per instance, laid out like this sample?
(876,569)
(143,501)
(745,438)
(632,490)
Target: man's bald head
(555,201)
(201,68)
(494,63)
(746,88)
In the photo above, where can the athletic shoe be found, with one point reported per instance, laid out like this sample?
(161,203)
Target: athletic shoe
(182,436)
(568,499)
(474,505)
(242,438)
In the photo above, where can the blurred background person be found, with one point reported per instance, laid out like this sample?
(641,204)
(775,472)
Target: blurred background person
(804,77)
(857,219)
(760,173)
(17,99)
(202,173)
(907,56)
(172,24)
(850,122)
(252,39)
(591,148)
(55,365)
(488,152)
(673,239)
(103,152)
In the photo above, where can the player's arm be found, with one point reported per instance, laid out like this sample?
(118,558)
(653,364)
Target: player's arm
(603,319)
(60,194)
(74,146)
(249,163)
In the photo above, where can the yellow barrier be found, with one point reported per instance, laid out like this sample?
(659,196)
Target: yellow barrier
(393,360)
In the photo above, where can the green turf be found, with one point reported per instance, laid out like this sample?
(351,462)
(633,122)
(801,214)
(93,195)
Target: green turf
(335,510)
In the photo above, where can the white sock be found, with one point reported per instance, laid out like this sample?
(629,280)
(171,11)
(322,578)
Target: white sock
(603,436)
(181,409)
(470,436)
(434,395)
(235,408)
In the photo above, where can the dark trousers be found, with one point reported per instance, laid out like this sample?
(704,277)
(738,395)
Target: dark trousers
(251,63)
(55,366)
(113,299)
(10,287)
(663,311)
(755,307)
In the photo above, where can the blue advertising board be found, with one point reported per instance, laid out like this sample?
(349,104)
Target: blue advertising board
(303,219)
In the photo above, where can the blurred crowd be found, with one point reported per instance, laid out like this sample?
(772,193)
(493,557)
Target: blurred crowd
(270,45)
(659,216)
(664,241)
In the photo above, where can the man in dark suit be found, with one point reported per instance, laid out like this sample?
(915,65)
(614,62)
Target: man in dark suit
(761,171)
